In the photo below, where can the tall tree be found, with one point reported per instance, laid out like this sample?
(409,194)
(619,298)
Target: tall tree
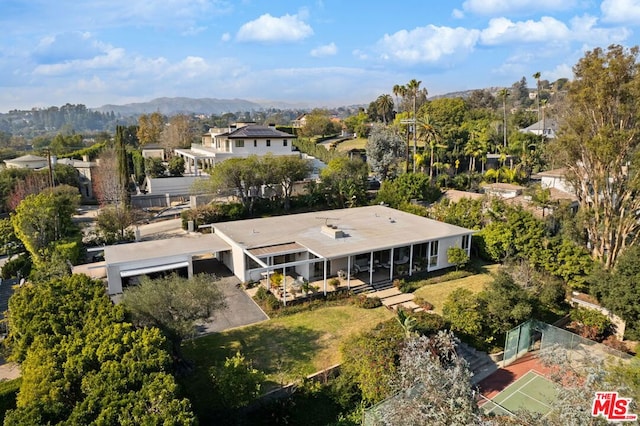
(384,147)
(413,87)
(123,165)
(600,141)
(503,94)
(150,128)
(173,304)
(82,364)
(428,131)
(432,385)
(537,75)
(42,219)
(385,107)
(344,181)
(180,132)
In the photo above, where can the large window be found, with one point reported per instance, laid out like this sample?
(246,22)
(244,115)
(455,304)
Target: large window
(255,143)
(284,142)
(465,241)
(240,143)
(433,254)
(268,142)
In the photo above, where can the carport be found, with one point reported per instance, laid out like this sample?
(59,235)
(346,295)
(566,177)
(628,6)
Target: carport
(126,262)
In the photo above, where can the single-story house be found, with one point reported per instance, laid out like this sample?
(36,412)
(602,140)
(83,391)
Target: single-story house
(502,190)
(28,161)
(313,246)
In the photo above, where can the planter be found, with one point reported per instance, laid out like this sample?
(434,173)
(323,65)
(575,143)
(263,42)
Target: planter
(497,357)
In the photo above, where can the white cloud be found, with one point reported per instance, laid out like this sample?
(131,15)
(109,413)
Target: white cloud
(457,13)
(225,37)
(113,58)
(621,11)
(585,29)
(582,29)
(495,7)
(268,28)
(326,50)
(429,44)
(504,31)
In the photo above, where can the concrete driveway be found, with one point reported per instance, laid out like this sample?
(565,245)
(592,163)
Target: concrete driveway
(241,309)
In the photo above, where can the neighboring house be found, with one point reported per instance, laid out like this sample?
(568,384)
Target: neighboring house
(27,162)
(556,179)
(300,121)
(239,140)
(84,168)
(502,190)
(153,151)
(377,243)
(547,127)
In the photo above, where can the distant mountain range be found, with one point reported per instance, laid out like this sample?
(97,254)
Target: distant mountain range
(207,106)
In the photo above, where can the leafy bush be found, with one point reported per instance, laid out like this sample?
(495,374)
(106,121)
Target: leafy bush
(212,213)
(428,323)
(422,302)
(8,392)
(362,301)
(590,323)
(18,265)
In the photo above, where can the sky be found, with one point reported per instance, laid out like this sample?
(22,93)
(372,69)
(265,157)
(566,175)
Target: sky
(317,53)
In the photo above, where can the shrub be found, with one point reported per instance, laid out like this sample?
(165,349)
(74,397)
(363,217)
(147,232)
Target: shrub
(362,301)
(335,283)
(428,323)
(422,302)
(19,265)
(590,323)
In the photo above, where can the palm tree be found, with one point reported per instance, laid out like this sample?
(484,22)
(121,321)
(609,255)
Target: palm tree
(400,91)
(412,88)
(537,75)
(430,134)
(503,93)
(385,106)
(475,147)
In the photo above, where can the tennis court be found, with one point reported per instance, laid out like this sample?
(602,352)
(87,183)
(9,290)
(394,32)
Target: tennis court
(531,392)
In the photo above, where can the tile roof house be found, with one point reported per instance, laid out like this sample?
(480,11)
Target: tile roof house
(239,140)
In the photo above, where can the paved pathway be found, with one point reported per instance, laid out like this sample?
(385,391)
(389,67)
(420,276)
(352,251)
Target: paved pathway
(241,310)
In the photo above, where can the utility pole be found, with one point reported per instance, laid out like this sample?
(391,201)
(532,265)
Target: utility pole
(51,182)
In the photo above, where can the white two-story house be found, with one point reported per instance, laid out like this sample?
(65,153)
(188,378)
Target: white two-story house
(238,140)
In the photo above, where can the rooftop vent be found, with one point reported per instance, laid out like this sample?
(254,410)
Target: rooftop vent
(332,231)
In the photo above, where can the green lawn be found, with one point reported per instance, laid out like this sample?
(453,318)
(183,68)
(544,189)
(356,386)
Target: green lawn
(285,348)
(358,143)
(436,294)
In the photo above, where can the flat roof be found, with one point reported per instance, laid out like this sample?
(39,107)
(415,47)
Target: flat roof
(365,228)
(191,244)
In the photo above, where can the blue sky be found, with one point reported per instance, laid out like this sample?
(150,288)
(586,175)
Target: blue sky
(317,52)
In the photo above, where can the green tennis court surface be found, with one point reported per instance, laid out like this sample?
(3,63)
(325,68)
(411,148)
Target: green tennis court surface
(531,392)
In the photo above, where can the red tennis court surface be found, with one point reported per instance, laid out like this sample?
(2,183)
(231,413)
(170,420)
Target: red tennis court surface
(502,378)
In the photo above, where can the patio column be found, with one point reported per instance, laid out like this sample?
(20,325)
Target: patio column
(349,272)
(190,267)
(325,276)
(410,259)
(371,268)
(391,265)
(284,286)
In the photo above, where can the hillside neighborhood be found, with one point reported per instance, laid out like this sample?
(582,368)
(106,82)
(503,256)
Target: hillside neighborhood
(461,260)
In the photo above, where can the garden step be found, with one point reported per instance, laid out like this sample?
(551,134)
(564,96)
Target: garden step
(382,294)
(410,305)
(396,300)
